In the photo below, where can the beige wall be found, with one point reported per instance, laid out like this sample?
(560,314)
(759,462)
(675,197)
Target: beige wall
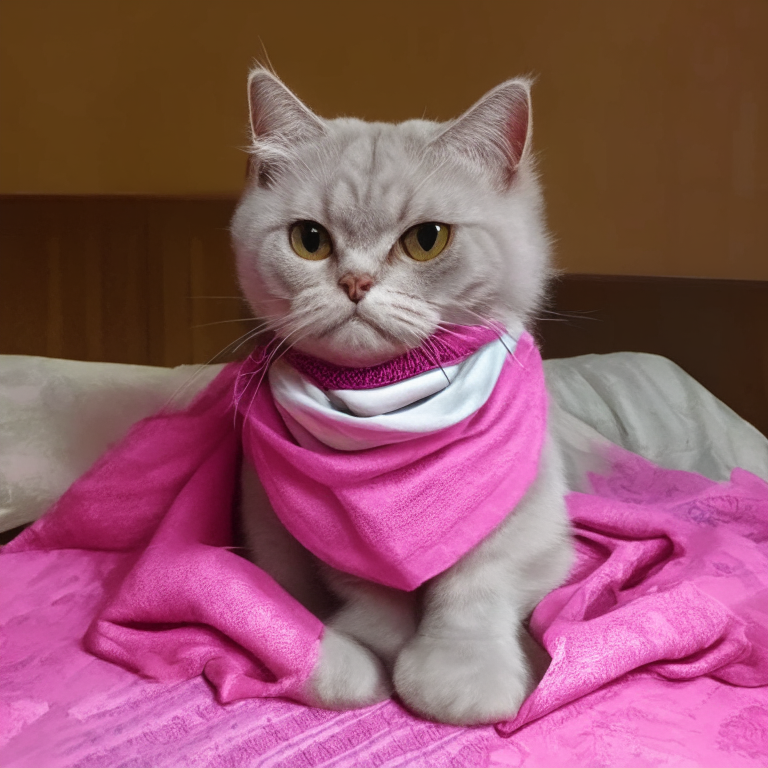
(651,117)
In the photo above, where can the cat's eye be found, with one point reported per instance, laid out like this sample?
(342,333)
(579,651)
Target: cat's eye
(425,241)
(310,240)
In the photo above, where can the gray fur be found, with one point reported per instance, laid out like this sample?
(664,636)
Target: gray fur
(367,183)
(457,652)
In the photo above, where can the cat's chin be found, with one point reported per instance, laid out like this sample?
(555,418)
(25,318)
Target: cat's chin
(357,344)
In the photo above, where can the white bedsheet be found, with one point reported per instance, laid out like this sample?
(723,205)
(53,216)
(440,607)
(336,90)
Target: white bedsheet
(58,416)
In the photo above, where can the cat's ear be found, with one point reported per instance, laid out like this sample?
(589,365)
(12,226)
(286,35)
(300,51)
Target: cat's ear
(496,131)
(279,121)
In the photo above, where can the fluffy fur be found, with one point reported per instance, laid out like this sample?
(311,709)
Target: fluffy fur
(456,650)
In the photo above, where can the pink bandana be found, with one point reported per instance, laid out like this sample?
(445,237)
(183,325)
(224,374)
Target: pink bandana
(425,488)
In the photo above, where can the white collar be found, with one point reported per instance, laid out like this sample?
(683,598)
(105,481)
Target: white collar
(351,420)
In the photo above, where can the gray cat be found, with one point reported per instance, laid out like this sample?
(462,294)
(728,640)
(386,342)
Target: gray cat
(318,236)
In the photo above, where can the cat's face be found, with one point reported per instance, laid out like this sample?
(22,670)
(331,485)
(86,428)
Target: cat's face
(356,240)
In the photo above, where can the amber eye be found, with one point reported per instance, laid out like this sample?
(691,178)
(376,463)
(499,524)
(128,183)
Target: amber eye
(310,240)
(425,241)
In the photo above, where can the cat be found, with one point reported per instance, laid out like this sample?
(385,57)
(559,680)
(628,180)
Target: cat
(342,194)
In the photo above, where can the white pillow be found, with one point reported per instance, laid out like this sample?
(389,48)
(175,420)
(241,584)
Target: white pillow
(652,407)
(58,416)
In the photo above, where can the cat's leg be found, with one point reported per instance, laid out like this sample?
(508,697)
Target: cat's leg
(347,675)
(467,662)
(274,550)
(381,618)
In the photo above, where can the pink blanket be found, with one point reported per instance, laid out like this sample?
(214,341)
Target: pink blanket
(659,642)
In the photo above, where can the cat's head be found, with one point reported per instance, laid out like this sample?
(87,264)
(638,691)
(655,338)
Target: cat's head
(356,240)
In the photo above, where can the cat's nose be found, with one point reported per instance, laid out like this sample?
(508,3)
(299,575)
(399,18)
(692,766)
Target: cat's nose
(356,286)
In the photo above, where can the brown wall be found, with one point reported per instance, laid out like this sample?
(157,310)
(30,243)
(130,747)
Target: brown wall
(124,280)
(651,116)
(148,280)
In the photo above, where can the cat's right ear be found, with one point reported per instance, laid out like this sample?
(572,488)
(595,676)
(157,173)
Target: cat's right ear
(495,133)
(279,121)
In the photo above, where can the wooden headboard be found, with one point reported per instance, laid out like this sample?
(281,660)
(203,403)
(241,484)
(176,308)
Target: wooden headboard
(151,281)
(716,330)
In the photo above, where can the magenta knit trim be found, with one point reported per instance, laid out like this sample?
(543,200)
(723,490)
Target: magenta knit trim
(448,346)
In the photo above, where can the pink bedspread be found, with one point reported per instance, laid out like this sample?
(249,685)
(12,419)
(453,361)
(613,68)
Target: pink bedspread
(659,647)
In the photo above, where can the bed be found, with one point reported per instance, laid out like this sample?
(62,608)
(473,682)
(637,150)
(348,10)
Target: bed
(60,706)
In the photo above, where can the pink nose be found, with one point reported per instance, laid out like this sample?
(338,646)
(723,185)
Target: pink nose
(356,286)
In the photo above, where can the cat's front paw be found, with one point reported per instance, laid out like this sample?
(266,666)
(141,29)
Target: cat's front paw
(347,674)
(463,682)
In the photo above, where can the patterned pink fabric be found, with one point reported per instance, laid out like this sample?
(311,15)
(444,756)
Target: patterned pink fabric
(658,644)
(672,579)
(184,604)
(447,346)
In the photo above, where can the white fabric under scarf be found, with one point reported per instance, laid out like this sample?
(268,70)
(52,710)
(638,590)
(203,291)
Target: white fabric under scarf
(352,420)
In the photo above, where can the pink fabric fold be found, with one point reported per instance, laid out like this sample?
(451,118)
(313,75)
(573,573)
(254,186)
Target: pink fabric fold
(182,604)
(671,579)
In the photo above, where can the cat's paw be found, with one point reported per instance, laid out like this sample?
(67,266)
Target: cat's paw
(384,625)
(347,675)
(463,682)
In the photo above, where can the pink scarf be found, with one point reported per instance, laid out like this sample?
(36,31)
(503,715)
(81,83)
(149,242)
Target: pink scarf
(405,510)
(183,604)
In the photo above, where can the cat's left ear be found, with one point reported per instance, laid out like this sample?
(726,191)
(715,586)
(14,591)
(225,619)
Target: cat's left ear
(279,122)
(496,131)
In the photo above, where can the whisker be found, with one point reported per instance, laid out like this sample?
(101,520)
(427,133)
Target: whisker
(239,298)
(222,322)
(495,326)
(252,335)
(261,369)
(486,322)
(201,368)
(427,344)
(273,356)
(575,314)
(412,339)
